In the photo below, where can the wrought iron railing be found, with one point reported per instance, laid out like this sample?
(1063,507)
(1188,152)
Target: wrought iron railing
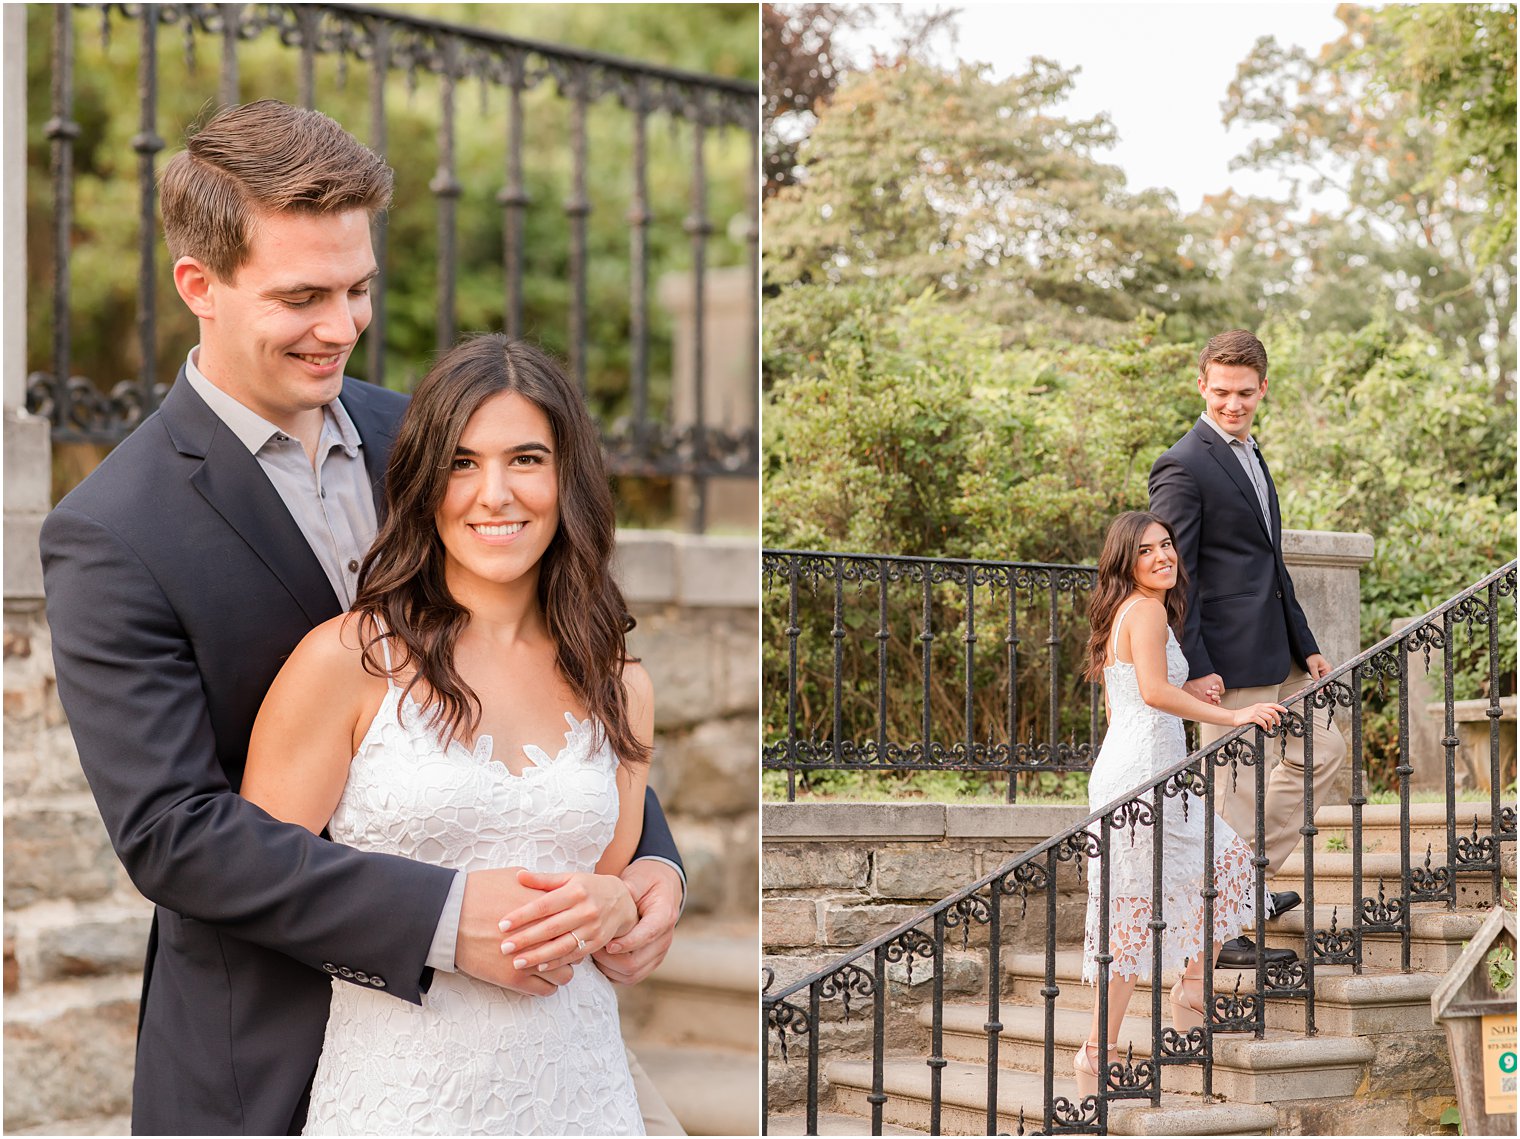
(794,1013)
(923,664)
(646,439)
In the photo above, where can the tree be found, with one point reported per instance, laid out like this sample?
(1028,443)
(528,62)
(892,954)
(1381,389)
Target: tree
(1416,233)
(804,63)
(1458,62)
(980,189)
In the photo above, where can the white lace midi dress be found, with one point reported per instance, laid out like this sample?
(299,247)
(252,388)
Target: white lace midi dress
(472,1058)
(1141,743)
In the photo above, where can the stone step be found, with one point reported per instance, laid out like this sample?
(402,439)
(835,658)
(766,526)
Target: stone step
(831,1123)
(1333,882)
(1436,936)
(711,1091)
(963,1102)
(1345,1003)
(1282,1065)
(1380,826)
(705,992)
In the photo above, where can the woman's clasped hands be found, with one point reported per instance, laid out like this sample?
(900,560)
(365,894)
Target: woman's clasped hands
(574,917)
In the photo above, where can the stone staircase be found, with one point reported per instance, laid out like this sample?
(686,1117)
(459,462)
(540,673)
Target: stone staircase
(1375,1066)
(692,1026)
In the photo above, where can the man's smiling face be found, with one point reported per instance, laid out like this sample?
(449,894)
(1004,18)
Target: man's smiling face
(1231,394)
(278,335)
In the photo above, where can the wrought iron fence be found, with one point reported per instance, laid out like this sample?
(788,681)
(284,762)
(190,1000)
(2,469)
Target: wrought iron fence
(649,436)
(926,664)
(795,1014)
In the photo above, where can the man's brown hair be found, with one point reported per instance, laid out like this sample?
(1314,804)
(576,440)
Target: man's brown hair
(1237,348)
(262,158)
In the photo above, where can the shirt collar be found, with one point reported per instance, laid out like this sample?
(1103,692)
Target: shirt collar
(1250,440)
(253,430)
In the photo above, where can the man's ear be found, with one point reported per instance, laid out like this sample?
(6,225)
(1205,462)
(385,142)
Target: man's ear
(196,286)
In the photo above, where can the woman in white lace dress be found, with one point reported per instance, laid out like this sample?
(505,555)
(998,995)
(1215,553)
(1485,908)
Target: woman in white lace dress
(1136,609)
(430,722)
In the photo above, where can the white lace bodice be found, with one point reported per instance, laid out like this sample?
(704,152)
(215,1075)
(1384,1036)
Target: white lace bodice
(1140,744)
(474,1058)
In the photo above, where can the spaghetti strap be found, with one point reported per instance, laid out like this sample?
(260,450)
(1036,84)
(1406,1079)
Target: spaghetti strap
(385,649)
(1113,639)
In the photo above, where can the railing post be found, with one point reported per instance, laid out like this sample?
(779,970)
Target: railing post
(639,218)
(1012,641)
(994,1025)
(61,131)
(379,68)
(699,227)
(1358,801)
(970,642)
(577,209)
(446,188)
(513,198)
(232,22)
(147,144)
(1404,770)
(793,630)
(1494,712)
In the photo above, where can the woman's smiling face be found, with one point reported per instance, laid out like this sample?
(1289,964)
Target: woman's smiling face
(1155,561)
(500,509)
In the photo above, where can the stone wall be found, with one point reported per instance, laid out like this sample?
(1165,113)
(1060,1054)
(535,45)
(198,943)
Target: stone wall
(836,875)
(75,929)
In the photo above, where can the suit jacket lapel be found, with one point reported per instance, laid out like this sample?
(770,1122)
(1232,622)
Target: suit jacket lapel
(235,486)
(1222,454)
(377,430)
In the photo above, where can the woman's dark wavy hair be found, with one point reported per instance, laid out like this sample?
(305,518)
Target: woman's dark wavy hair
(402,594)
(1116,581)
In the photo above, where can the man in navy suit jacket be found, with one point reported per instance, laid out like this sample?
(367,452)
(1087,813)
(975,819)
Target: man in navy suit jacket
(1245,635)
(182,573)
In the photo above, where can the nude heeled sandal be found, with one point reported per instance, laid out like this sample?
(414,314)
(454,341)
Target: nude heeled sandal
(1085,1065)
(1186,1016)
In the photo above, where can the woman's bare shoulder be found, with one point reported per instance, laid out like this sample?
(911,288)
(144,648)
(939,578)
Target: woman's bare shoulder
(332,653)
(637,681)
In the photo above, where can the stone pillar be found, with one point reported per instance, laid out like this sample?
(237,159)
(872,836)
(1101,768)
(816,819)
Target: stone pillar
(28,459)
(1326,568)
(696,599)
(728,382)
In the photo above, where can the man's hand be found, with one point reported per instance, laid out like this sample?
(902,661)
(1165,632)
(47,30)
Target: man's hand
(1206,688)
(656,890)
(575,916)
(1317,666)
(487,895)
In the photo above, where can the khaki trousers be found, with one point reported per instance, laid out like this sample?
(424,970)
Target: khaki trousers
(658,1118)
(1283,811)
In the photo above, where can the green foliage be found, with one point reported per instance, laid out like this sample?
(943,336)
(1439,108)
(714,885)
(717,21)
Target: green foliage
(1501,968)
(1451,1117)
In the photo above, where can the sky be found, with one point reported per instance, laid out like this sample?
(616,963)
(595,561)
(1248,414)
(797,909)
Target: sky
(1160,71)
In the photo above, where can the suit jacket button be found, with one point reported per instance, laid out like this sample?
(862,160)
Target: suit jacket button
(346,973)
(361,977)
(329,967)
(1279,595)
(378,982)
